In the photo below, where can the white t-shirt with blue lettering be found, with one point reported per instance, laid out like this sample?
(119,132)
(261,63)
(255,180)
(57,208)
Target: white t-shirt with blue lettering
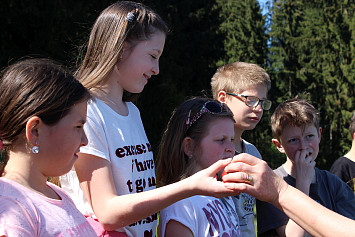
(122,141)
(203,215)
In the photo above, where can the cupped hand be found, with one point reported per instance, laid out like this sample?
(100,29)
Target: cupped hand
(265,186)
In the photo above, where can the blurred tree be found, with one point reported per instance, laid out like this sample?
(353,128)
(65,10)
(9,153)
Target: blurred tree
(312,50)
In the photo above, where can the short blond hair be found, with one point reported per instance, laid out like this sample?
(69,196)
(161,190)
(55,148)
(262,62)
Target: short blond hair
(237,77)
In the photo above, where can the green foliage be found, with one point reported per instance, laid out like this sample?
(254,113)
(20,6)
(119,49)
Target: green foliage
(312,50)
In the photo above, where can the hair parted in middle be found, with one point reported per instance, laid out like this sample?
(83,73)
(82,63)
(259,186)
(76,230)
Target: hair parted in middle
(172,162)
(115,26)
(294,112)
(237,77)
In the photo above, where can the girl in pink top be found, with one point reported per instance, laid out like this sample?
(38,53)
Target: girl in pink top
(43,110)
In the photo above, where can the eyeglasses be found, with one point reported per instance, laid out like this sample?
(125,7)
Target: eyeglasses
(253,101)
(211,107)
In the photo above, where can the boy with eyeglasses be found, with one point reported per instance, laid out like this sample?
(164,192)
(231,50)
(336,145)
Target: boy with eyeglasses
(243,87)
(296,130)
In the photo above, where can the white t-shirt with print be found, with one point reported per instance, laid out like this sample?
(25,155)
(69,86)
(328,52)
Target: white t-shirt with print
(122,141)
(203,215)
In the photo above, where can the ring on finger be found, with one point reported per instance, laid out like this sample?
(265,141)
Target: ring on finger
(249,179)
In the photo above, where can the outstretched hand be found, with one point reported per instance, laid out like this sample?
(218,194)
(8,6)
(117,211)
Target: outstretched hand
(265,184)
(205,181)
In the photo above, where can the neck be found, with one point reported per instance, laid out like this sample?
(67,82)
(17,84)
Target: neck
(351,154)
(112,95)
(22,169)
(238,144)
(288,166)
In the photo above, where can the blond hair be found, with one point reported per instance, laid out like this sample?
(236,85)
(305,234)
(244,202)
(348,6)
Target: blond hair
(237,77)
(108,35)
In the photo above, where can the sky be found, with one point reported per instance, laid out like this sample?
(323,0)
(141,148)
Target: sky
(263,6)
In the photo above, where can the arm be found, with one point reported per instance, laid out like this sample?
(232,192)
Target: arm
(268,186)
(303,170)
(176,229)
(115,211)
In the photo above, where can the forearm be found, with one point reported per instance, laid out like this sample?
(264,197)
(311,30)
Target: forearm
(292,229)
(313,217)
(137,206)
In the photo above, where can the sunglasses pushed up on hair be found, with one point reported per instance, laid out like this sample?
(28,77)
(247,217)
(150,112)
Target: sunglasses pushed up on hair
(211,107)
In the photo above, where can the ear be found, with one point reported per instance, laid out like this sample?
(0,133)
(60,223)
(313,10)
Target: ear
(222,97)
(278,145)
(320,133)
(32,129)
(188,145)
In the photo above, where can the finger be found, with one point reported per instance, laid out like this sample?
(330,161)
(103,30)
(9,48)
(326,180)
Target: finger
(217,166)
(313,163)
(240,187)
(239,167)
(246,158)
(297,155)
(236,177)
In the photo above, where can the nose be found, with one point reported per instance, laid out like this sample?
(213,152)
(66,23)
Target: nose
(155,68)
(84,139)
(230,148)
(258,108)
(303,144)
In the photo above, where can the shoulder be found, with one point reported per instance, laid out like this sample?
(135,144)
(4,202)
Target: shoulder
(325,173)
(15,203)
(329,179)
(132,108)
(251,149)
(341,161)
(11,189)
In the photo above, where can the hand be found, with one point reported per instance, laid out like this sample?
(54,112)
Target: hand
(303,169)
(205,181)
(266,185)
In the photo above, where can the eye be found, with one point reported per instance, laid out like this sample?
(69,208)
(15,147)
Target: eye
(221,139)
(293,140)
(153,56)
(310,136)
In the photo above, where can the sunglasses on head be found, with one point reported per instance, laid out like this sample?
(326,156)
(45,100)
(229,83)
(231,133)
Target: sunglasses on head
(211,107)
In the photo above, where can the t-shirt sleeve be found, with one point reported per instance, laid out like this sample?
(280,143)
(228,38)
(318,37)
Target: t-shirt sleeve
(15,219)
(95,133)
(181,211)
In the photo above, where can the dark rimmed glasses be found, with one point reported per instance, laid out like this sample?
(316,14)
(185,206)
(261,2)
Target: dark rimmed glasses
(211,107)
(253,101)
